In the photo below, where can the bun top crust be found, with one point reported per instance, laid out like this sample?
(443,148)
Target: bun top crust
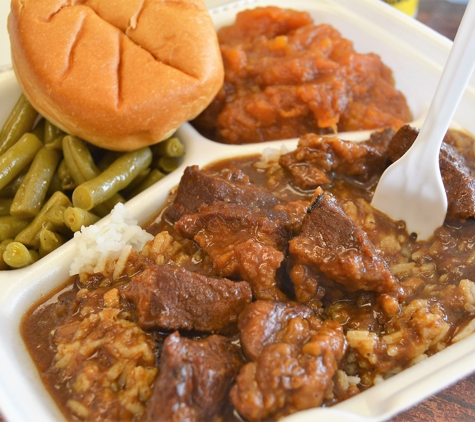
(121,74)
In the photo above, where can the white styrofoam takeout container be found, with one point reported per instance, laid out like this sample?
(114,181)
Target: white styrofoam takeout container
(415,53)
(4,40)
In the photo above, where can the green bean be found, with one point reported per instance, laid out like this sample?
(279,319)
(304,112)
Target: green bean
(16,158)
(79,160)
(10,226)
(154,176)
(171,147)
(64,175)
(30,235)
(4,243)
(167,164)
(120,173)
(3,264)
(55,215)
(39,130)
(101,210)
(32,192)
(55,220)
(75,218)
(5,204)
(3,246)
(55,184)
(127,192)
(49,241)
(56,144)
(21,120)
(17,255)
(51,132)
(106,207)
(11,189)
(82,168)
(113,201)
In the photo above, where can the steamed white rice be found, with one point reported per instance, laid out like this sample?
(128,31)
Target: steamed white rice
(271,156)
(97,245)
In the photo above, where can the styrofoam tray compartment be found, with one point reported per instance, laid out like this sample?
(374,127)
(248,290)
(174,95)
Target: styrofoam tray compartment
(415,53)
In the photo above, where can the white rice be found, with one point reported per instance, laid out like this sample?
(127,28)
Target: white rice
(100,244)
(271,155)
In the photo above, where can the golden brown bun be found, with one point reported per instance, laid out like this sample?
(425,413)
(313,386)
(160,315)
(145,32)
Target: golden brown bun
(121,74)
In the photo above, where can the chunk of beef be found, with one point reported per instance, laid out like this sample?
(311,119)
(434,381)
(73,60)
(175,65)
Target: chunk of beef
(258,265)
(459,183)
(401,142)
(295,212)
(261,322)
(242,242)
(197,188)
(333,244)
(317,158)
(194,380)
(292,367)
(171,298)
(307,281)
(221,226)
(457,176)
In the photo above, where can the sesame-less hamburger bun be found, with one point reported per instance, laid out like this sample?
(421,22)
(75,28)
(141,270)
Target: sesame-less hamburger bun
(121,74)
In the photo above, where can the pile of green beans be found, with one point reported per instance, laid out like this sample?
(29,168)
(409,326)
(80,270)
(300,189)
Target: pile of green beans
(52,183)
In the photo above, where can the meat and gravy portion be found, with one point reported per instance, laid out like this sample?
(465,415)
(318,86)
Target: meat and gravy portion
(269,286)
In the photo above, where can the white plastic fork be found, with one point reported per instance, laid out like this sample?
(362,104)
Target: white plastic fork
(411,189)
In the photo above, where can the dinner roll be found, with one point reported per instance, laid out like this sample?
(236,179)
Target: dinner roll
(121,74)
